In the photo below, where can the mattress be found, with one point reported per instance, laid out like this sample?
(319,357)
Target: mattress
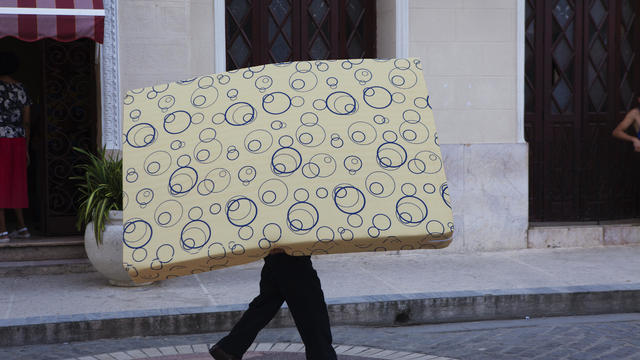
(313,157)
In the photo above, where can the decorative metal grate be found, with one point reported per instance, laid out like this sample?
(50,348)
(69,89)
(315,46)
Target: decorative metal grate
(69,111)
(629,28)
(563,55)
(261,32)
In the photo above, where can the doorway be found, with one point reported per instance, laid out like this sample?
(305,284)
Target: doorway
(582,72)
(60,78)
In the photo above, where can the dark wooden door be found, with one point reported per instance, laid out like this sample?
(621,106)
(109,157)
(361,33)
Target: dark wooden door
(68,119)
(271,31)
(582,75)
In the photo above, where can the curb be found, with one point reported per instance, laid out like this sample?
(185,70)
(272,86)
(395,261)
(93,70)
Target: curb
(373,310)
(280,347)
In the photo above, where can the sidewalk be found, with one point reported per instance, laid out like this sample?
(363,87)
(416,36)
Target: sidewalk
(361,289)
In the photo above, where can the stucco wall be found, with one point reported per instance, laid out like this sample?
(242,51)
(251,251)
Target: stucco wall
(468,48)
(164,40)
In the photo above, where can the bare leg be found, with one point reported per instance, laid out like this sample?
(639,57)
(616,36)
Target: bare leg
(20,216)
(3,225)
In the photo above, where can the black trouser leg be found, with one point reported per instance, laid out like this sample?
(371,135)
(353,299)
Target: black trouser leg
(299,283)
(261,310)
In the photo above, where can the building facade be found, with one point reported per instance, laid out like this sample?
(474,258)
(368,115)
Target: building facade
(472,55)
(476,57)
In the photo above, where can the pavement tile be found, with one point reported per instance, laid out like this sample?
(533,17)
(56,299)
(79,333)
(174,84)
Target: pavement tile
(104,357)
(121,356)
(386,354)
(184,349)
(200,348)
(152,352)
(295,347)
(399,355)
(137,354)
(371,351)
(356,350)
(168,350)
(279,346)
(264,347)
(411,356)
(341,349)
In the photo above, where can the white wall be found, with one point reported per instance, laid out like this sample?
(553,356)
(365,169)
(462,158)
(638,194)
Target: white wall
(468,48)
(164,40)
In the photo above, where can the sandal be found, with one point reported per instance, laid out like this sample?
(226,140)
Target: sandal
(4,237)
(20,234)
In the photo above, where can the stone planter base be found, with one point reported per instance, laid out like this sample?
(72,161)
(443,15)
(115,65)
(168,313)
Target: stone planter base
(107,257)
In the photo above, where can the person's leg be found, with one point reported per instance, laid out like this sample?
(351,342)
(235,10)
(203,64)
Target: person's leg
(21,231)
(6,162)
(261,310)
(3,225)
(20,218)
(300,285)
(4,236)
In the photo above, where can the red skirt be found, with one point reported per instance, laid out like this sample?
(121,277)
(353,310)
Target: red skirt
(13,173)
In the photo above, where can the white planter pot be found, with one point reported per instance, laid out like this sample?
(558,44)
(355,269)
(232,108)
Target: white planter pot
(107,257)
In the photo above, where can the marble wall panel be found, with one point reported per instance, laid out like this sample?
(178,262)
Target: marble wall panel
(452,157)
(488,184)
(622,234)
(386,29)
(564,236)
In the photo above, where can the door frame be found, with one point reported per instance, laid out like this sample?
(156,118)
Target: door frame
(402,33)
(110,114)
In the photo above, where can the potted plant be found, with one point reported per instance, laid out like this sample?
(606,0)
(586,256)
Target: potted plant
(100,186)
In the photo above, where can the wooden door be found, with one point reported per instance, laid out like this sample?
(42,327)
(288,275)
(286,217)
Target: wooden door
(582,73)
(271,31)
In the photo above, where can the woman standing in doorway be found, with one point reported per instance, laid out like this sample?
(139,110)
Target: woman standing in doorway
(14,144)
(631,119)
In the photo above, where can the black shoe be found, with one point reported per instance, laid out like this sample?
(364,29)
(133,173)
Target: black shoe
(218,354)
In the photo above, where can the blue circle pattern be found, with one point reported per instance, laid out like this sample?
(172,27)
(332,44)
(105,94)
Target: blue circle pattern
(302,216)
(341,103)
(246,116)
(273,103)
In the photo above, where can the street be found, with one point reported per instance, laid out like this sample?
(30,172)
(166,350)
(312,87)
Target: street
(581,337)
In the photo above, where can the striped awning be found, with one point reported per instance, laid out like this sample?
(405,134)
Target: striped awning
(62,20)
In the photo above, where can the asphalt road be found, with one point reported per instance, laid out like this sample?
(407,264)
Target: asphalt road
(615,337)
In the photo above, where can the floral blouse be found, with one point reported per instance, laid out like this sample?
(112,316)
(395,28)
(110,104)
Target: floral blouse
(13,99)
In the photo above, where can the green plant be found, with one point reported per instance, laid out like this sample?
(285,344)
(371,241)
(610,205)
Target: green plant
(100,186)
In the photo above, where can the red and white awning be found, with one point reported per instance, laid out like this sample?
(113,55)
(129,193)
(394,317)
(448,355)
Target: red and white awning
(62,20)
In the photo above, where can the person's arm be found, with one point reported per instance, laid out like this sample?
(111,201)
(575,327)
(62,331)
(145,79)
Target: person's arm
(620,133)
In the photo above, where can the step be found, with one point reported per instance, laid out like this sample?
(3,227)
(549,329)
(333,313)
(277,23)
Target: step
(559,235)
(45,267)
(43,248)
